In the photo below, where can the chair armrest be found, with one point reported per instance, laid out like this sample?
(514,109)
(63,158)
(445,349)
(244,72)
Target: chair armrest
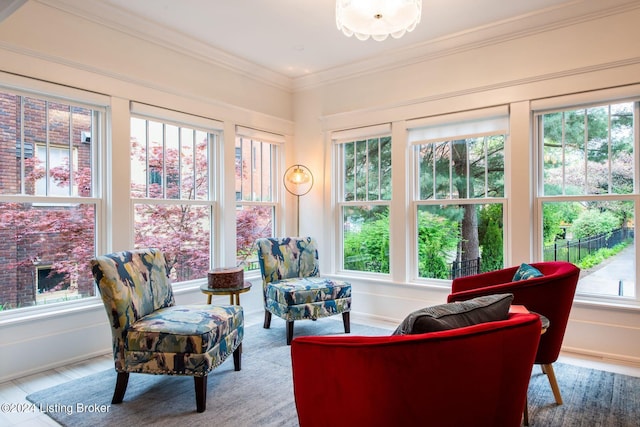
(483,280)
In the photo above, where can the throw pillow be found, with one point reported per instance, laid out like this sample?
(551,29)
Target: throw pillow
(526,272)
(456,314)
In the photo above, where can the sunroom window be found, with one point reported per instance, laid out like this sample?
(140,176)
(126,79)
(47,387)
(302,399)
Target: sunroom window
(172,164)
(459,192)
(587,193)
(49,197)
(257,156)
(364,197)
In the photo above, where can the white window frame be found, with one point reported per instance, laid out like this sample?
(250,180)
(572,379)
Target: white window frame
(461,125)
(47,182)
(99,104)
(574,102)
(338,139)
(272,200)
(213,129)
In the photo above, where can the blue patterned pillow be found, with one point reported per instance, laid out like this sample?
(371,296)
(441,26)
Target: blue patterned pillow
(526,272)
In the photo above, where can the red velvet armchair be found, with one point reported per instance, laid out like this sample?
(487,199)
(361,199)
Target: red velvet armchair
(550,295)
(476,375)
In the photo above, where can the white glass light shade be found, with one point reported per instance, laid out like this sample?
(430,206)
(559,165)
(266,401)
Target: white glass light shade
(298,180)
(377,18)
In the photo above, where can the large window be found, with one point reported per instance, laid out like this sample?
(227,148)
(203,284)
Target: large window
(459,193)
(364,197)
(172,164)
(49,197)
(588,194)
(256,170)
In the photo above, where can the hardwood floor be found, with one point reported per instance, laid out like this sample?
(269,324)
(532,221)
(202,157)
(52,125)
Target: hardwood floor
(18,411)
(13,393)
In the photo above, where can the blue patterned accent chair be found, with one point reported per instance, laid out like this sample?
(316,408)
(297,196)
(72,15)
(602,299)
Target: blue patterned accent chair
(292,286)
(151,334)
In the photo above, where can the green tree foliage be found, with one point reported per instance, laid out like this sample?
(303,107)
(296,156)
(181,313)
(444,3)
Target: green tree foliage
(592,222)
(437,238)
(491,239)
(367,248)
(557,215)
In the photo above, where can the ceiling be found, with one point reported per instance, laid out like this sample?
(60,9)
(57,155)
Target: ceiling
(294,39)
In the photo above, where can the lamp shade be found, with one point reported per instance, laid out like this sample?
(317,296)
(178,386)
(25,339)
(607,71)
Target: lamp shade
(298,180)
(377,18)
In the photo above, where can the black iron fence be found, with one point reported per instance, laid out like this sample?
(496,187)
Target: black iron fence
(464,268)
(251,265)
(574,250)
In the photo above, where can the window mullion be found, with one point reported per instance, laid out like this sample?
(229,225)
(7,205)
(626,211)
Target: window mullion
(241,166)
(379,169)
(146,152)
(46,151)
(486,166)
(468,167)
(355,170)
(164,180)
(450,169)
(70,148)
(585,151)
(194,151)
(564,157)
(366,171)
(433,169)
(261,169)
(609,152)
(22,144)
(180,163)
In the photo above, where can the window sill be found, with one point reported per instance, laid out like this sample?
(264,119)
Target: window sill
(28,314)
(607,304)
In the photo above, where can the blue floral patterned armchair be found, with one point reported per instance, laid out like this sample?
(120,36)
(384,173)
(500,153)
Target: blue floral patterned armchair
(151,334)
(292,286)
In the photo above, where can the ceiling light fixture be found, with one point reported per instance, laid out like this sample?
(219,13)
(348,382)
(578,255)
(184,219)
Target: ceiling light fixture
(377,18)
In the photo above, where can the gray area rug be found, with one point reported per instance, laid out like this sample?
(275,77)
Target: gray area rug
(592,398)
(261,394)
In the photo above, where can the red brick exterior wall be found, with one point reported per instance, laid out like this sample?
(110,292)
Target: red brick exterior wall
(21,250)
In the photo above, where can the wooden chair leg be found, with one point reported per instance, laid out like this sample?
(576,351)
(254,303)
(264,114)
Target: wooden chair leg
(237,358)
(201,393)
(289,331)
(121,387)
(267,319)
(525,416)
(551,375)
(346,321)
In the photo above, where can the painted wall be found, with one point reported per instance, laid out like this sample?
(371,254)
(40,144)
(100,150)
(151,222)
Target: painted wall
(45,44)
(583,57)
(51,45)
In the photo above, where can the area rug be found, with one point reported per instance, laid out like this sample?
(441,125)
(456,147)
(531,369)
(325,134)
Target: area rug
(591,398)
(261,394)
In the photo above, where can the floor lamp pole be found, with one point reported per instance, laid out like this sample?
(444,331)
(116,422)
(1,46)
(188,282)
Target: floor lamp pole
(298,216)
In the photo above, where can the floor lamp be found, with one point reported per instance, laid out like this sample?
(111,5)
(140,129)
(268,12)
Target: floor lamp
(298,181)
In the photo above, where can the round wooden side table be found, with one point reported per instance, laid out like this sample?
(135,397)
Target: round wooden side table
(234,293)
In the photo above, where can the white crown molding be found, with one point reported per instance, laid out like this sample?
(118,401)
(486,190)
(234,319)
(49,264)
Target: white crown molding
(283,125)
(499,32)
(495,33)
(7,7)
(405,110)
(135,26)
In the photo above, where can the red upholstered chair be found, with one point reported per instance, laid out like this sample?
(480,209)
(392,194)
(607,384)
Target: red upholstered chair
(550,295)
(475,375)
